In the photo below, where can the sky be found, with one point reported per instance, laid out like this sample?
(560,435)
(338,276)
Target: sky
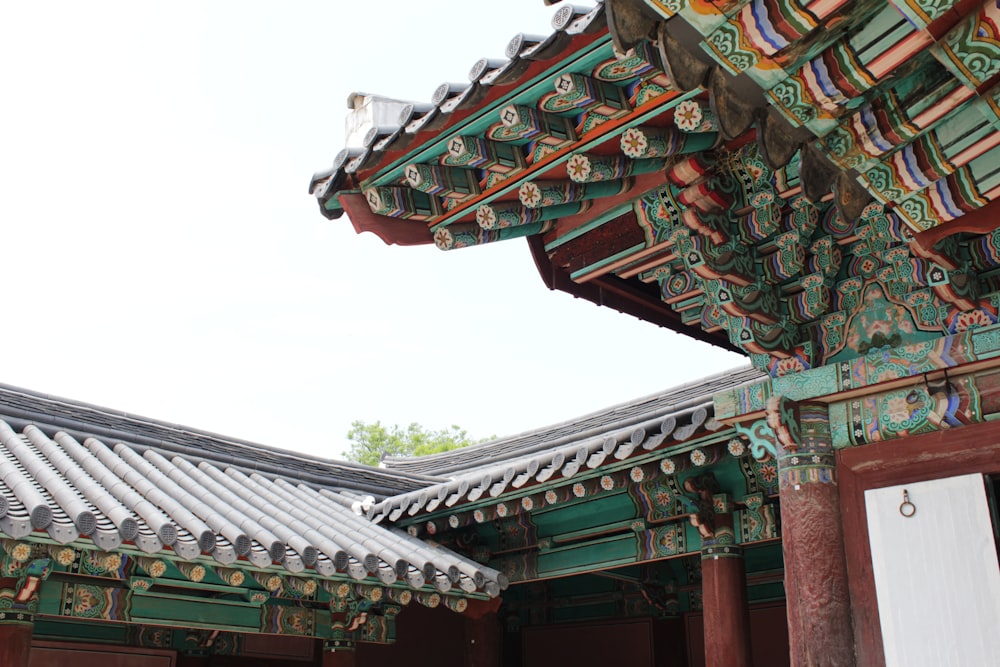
(161,254)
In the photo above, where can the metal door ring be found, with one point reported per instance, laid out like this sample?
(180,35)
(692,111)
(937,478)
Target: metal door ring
(907,508)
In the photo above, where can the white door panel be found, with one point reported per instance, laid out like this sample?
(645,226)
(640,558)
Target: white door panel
(936,573)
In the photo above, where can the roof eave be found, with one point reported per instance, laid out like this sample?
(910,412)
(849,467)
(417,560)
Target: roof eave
(613,292)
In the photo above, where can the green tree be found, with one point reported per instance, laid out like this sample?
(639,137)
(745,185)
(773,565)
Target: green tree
(370,443)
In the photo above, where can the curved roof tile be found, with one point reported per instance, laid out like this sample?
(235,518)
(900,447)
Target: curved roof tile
(449,99)
(562,450)
(165,500)
(661,411)
(21,407)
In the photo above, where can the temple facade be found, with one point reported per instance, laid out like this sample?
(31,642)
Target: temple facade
(812,184)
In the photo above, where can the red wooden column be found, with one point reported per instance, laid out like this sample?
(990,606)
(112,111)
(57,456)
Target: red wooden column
(816,587)
(20,601)
(338,653)
(483,638)
(724,593)
(15,643)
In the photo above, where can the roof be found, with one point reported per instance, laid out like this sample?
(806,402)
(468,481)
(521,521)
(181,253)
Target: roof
(390,125)
(73,473)
(561,450)
(737,172)
(76,472)
(21,407)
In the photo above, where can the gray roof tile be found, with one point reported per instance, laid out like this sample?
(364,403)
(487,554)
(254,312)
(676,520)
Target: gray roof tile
(562,450)
(449,101)
(21,407)
(171,498)
(657,412)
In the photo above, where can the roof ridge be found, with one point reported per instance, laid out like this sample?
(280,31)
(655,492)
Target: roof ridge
(447,459)
(18,404)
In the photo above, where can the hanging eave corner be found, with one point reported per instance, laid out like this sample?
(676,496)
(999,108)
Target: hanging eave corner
(761,178)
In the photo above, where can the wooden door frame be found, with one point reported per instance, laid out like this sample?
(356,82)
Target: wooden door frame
(948,453)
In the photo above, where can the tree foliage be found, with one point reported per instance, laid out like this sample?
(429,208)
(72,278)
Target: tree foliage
(370,443)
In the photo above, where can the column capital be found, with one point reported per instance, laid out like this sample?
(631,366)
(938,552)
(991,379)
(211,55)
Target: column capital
(782,415)
(722,542)
(19,589)
(700,489)
(714,551)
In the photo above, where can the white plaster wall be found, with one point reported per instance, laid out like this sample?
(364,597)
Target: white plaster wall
(936,574)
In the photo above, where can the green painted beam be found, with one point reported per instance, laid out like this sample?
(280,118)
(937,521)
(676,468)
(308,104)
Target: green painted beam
(607,260)
(589,612)
(766,592)
(528,93)
(149,586)
(50,598)
(167,609)
(89,631)
(577,535)
(603,553)
(581,518)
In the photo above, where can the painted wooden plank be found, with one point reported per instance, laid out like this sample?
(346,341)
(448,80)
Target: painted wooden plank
(591,271)
(597,554)
(170,610)
(600,511)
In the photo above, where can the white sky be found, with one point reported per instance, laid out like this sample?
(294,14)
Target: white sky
(161,254)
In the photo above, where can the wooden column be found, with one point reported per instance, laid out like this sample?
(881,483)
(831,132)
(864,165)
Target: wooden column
(19,595)
(15,643)
(338,653)
(724,594)
(816,586)
(482,633)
